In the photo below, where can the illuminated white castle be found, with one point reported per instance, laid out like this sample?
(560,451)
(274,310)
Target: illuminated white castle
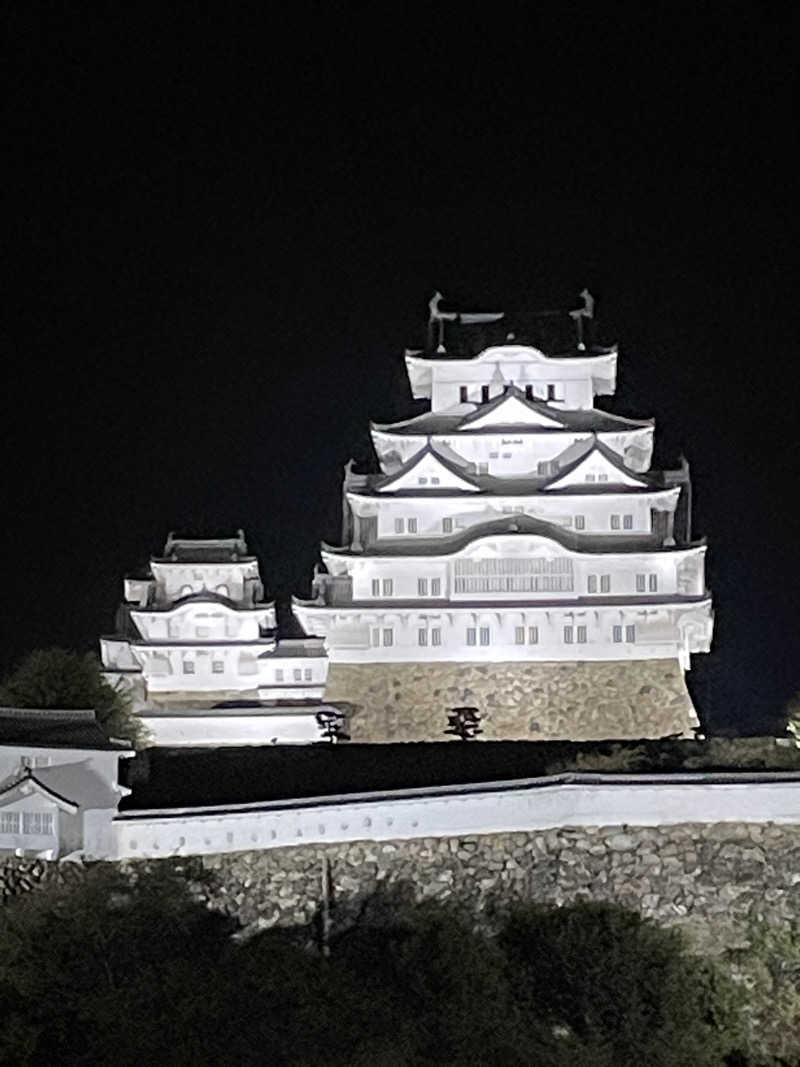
(513,530)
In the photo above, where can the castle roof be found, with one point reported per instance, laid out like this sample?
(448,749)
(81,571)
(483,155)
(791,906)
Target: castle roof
(209,550)
(52,728)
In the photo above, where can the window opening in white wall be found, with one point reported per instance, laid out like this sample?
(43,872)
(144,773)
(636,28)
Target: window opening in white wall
(279,674)
(462,394)
(605,583)
(580,522)
(434,480)
(307,674)
(569,635)
(37,822)
(581,635)
(422,481)
(653,582)
(375,640)
(447,525)
(436,586)
(551,392)
(630,634)
(9,822)
(627,522)
(484,394)
(388,586)
(641,583)
(591,583)
(436,635)
(422,637)
(533,635)
(376,587)
(529,392)
(519,635)
(617,634)
(217,667)
(471,635)
(615,522)
(297,674)
(188,666)
(399,526)
(485,635)
(412,526)
(422,586)
(388,637)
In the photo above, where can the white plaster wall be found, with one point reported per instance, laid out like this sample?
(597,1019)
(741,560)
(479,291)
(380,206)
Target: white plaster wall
(229,728)
(536,804)
(203,621)
(175,580)
(164,667)
(661,632)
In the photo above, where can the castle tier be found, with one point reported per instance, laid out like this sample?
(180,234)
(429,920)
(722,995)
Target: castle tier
(515,553)
(196,647)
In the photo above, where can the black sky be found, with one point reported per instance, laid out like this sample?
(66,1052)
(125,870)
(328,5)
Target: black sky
(223,229)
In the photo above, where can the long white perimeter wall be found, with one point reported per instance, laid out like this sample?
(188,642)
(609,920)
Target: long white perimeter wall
(496,807)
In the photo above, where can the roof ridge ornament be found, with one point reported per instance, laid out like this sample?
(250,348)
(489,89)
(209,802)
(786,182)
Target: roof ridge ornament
(579,314)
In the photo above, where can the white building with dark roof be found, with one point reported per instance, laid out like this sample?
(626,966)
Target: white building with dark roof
(196,646)
(518,526)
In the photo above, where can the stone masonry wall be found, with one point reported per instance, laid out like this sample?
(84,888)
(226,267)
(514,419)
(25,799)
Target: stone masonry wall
(733,888)
(579,701)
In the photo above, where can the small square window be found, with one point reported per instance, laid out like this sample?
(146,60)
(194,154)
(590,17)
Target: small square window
(653,583)
(485,635)
(388,637)
(436,635)
(569,635)
(217,667)
(422,481)
(399,526)
(617,632)
(519,635)
(412,525)
(388,586)
(436,586)
(627,522)
(447,525)
(591,583)
(434,481)
(590,478)
(542,467)
(581,635)
(602,477)
(471,635)
(630,634)
(580,522)
(422,637)
(533,635)
(422,586)
(188,666)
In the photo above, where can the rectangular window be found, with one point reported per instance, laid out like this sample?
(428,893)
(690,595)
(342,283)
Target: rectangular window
(542,467)
(422,637)
(484,394)
(436,635)
(376,587)
(494,455)
(436,586)
(399,526)
(217,667)
(615,522)
(462,394)
(581,635)
(590,478)
(641,583)
(630,634)
(591,583)
(506,455)
(188,666)
(307,675)
(580,522)
(375,640)
(471,635)
(297,674)
(529,392)
(551,392)
(37,822)
(485,635)
(422,586)
(447,525)
(434,481)
(568,635)
(388,637)
(9,822)
(605,583)
(602,477)
(412,525)
(482,468)
(653,582)
(279,674)
(617,634)
(422,481)
(519,635)
(533,635)
(627,522)
(388,586)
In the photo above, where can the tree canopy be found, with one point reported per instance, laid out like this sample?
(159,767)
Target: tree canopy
(61,678)
(137,970)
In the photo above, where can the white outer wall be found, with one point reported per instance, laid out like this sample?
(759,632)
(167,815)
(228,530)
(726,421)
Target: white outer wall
(175,580)
(469,810)
(232,729)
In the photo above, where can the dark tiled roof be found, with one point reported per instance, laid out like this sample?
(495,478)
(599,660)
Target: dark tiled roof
(211,550)
(51,728)
(552,332)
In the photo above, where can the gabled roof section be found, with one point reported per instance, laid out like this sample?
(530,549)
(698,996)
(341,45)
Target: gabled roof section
(427,470)
(34,785)
(512,408)
(465,418)
(592,462)
(52,728)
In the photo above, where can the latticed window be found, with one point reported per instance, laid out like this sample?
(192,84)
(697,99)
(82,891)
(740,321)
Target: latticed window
(422,586)
(388,586)
(580,522)
(533,635)
(436,586)
(519,635)
(485,635)
(472,635)
(376,587)
(627,522)
(412,526)
(641,583)
(630,634)
(581,635)
(591,583)
(388,636)
(37,822)
(605,583)
(519,575)
(653,583)
(447,525)
(436,635)
(9,822)
(422,637)
(569,635)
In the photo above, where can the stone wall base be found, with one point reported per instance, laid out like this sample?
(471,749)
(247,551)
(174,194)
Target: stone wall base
(578,701)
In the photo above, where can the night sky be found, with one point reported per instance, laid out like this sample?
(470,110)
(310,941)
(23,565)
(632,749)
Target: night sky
(224,229)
